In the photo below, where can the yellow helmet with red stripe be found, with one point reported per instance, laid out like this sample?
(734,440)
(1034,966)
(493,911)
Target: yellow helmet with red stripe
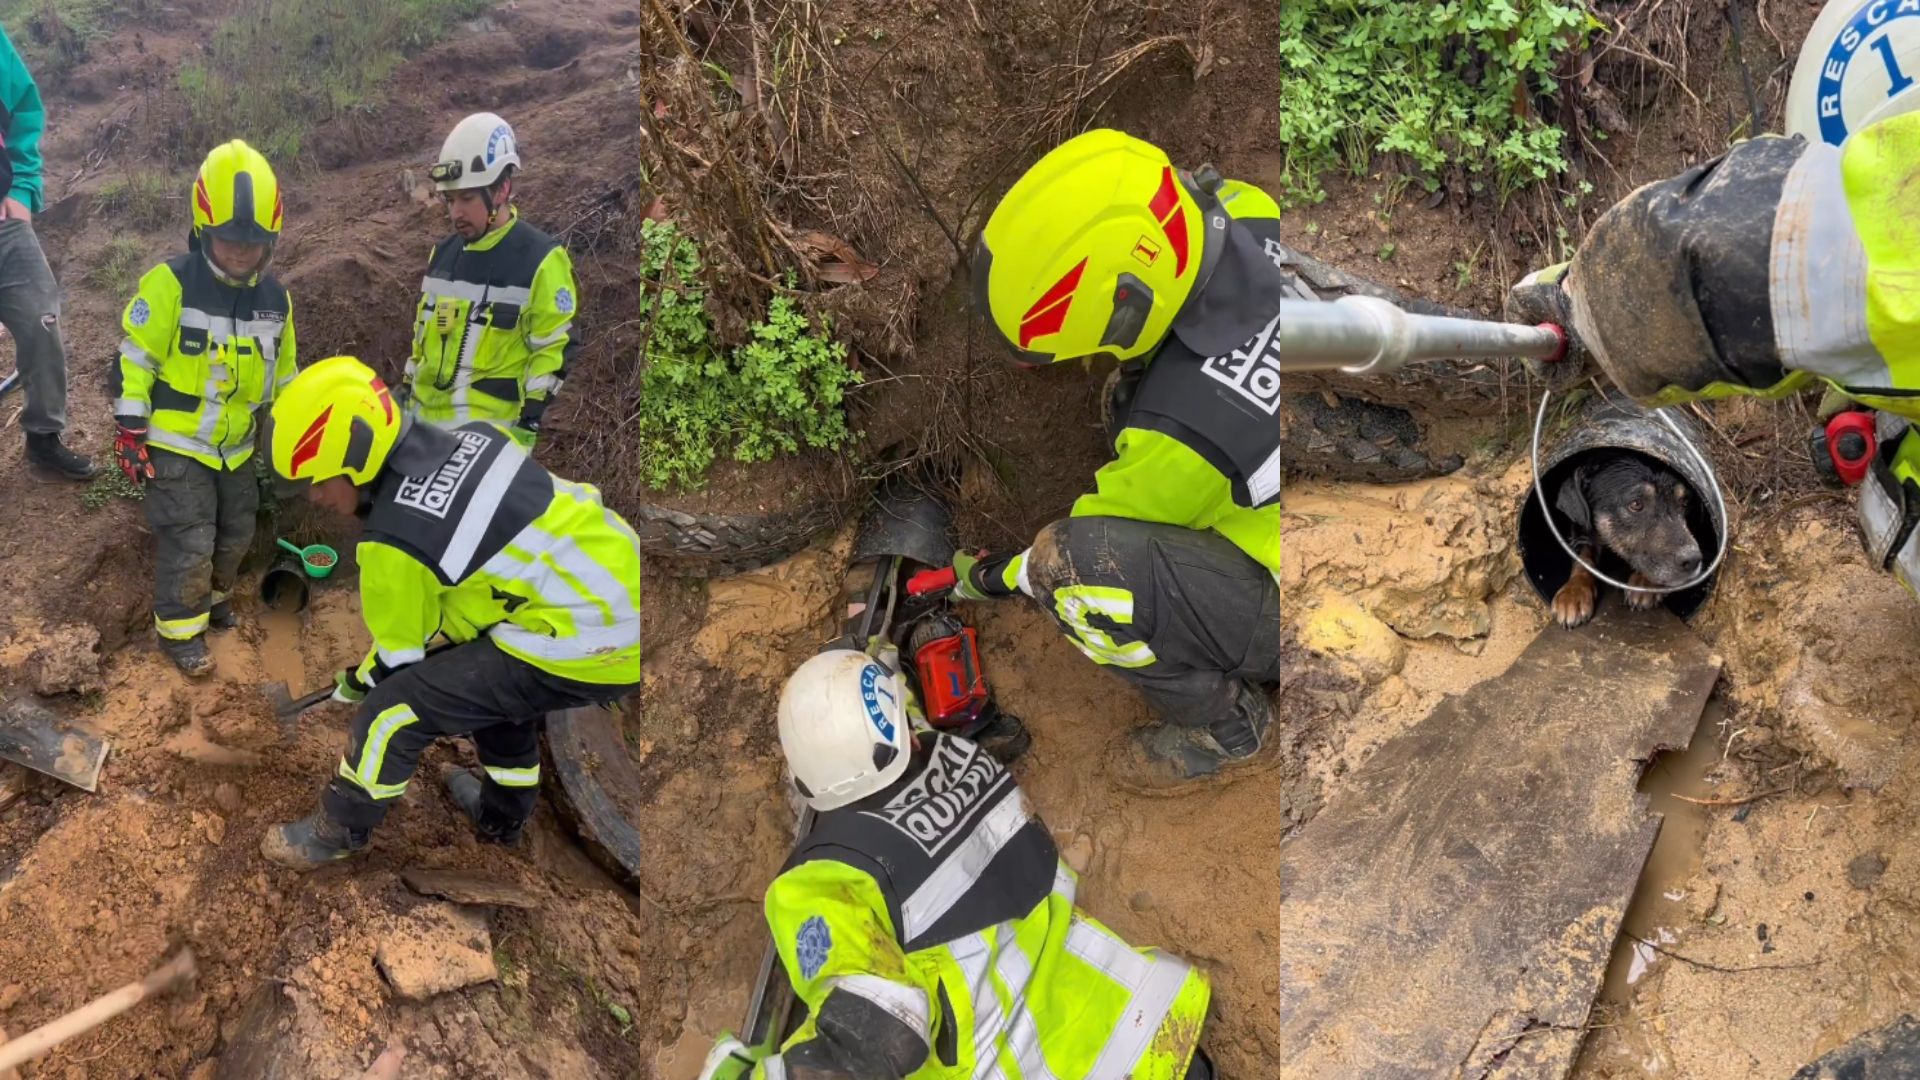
(1094,250)
(236,196)
(336,418)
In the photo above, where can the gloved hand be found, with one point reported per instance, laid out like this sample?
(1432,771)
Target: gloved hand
(1538,298)
(730,1059)
(347,688)
(965,587)
(130,451)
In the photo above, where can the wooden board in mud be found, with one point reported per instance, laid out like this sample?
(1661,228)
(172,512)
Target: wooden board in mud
(1451,912)
(590,762)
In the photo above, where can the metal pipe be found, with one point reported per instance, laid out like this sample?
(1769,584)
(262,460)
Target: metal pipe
(1364,335)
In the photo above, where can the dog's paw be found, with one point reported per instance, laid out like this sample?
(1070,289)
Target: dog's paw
(1573,604)
(1643,601)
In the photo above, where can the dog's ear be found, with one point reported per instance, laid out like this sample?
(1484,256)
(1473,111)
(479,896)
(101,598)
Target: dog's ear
(1572,499)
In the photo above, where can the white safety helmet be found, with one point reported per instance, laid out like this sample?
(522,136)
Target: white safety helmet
(1860,64)
(843,727)
(480,148)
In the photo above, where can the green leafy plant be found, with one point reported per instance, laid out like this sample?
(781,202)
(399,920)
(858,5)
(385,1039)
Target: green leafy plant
(780,391)
(1442,84)
(276,68)
(108,484)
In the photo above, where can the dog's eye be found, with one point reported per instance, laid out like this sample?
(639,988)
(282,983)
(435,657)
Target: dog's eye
(1636,506)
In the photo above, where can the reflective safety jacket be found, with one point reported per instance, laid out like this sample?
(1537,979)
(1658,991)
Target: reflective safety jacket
(493,332)
(200,357)
(1199,444)
(930,930)
(466,535)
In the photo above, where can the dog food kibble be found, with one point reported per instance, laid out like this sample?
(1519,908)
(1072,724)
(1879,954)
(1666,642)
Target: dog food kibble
(320,560)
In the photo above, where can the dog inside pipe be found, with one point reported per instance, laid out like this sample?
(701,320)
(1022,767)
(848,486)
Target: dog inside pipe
(1630,492)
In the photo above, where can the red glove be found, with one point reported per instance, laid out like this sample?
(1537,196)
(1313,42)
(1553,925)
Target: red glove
(130,450)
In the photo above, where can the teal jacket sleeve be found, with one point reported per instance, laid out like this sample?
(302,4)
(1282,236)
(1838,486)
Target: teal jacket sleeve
(25,118)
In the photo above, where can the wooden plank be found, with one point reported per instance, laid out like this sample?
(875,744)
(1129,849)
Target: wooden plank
(590,761)
(1451,912)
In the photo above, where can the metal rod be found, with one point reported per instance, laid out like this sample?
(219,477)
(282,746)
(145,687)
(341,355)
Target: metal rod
(1364,335)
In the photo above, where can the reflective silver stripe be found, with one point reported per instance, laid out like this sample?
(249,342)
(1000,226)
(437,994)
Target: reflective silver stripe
(479,512)
(223,329)
(541,341)
(472,292)
(1023,1035)
(1151,981)
(974,955)
(543,383)
(400,657)
(131,351)
(509,777)
(131,407)
(947,884)
(774,1067)
(211,410)
(161,437)
(904,1003)
(582,646)
(1264,484)
(1819,303)
(1880,519)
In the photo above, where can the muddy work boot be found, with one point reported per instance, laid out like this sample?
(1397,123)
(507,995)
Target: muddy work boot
(221,617)
(48,457)
(189,655)
(1193,753)
(465,788)
(312,842)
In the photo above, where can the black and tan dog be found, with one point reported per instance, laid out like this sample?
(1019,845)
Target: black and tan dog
(1637,510)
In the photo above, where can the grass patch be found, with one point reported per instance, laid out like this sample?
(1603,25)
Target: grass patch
(119,266)
(108,484)
(143,199)
(277,68)
(1443,85)
(782,390)
(54,36)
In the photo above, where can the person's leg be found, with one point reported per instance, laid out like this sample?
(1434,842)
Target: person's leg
(30,310)
(180,504)
(1182,614)
(239,503)
(500,797)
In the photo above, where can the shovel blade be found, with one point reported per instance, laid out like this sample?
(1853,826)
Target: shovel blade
(35,736)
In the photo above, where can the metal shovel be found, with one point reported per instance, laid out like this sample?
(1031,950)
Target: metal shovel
(44,741)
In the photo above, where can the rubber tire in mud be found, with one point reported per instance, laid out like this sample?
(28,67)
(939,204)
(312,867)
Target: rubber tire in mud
(714,545)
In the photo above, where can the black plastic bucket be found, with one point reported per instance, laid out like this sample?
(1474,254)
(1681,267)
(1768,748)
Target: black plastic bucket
(284,586)
(1607,425)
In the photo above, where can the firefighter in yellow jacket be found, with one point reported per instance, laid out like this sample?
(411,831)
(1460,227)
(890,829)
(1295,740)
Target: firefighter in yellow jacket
(927,922)
(209,341)
(532,580)
(494,329)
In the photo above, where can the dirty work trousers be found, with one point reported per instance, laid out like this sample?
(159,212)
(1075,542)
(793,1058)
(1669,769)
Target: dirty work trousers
(202,520)
(474,690)
(1182,614)
(30,310)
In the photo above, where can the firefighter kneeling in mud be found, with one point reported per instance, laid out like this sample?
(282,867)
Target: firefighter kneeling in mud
(1780,265)
(927,922)
(534,583)
(1167,573)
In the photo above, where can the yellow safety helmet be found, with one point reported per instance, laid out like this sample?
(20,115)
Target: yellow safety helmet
(236,196)
(1094,250)
(336,418)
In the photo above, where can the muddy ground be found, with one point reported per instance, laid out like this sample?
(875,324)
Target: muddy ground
(95,890)
(1779,925)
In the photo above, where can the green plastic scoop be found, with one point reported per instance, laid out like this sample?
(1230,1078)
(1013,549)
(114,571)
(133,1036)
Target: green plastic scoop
(319,559)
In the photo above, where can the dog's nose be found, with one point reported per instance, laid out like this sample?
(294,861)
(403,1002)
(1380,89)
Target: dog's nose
(1689,565)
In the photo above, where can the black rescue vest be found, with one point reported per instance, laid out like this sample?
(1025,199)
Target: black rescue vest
(952,847)
(462,511)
